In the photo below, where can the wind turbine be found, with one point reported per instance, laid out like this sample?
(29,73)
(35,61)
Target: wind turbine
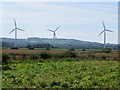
(104,31)
(54,34)
(15,29)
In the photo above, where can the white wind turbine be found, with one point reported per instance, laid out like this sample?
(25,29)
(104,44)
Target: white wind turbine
(15,29)
(104,31)
(54,35)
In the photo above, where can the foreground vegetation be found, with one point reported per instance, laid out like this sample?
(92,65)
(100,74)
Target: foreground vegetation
(67,73)
(59,69)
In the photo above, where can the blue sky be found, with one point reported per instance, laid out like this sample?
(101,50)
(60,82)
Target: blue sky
(77,20)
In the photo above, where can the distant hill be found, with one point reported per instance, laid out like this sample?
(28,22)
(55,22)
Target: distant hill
(60,43)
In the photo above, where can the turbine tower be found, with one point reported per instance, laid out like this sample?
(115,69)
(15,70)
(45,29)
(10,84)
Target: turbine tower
(104,31)
(15,29)
(54,35)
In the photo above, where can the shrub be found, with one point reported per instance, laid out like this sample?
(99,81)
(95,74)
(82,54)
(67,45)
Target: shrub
(30,48)
(103,57)
(34,57)
(70,54)
(107,50)
(83,50)
(14,48)
(91,56)
(14,57)
(5,58)
(24,56)
(45,55)
(47,48)
(71,49)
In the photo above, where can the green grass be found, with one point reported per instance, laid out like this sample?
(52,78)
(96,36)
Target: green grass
(66,73)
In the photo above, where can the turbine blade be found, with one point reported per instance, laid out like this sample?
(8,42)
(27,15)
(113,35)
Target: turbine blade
(103,24)
(12,30)
(51,30)
(15,23)
(20,29)
(109,30)
(101,32)
(57,28)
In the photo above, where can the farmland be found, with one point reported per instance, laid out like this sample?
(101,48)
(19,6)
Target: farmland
(60,69)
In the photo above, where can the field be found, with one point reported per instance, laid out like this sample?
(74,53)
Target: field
(60,69)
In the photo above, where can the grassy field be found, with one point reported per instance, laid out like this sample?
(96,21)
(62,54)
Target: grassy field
(61,69)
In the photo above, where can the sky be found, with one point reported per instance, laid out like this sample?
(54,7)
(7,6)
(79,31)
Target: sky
(77,20)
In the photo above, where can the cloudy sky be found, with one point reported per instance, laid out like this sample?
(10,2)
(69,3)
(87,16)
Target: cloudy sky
(77,20)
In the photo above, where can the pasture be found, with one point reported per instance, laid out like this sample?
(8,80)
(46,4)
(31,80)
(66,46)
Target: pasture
(56,68)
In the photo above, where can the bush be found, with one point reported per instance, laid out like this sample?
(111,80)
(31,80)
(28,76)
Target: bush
(103,57)
(71,49)
(34,57)
(83,50)
(91,56)
(30,48)
(24,56)
(5,58)
(68,54)
(45,56)
(71,54)
(47,48)
(107,50)
(14,48)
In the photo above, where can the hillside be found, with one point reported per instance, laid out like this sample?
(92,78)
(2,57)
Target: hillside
(60,43)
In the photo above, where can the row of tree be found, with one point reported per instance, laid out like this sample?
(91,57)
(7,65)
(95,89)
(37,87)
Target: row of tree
(47,45)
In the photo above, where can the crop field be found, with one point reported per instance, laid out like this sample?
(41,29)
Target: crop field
(59,69)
